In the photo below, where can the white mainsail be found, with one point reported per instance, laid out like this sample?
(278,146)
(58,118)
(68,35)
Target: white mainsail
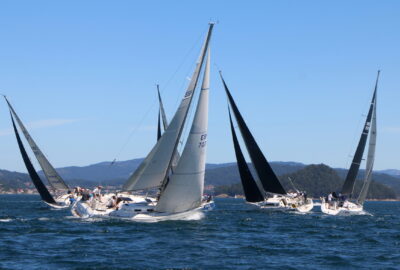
(370,158)
(154,168)
(184,190)
(55,180)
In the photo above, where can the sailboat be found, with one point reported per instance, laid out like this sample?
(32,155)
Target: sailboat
(59,197)
(266,191)
(181,184)
(343,203)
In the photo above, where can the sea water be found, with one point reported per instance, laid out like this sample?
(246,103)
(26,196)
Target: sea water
(233,236)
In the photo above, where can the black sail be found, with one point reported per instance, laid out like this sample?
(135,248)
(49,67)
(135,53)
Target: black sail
(251,191)
(348,185)
(158,126)
(269,180)
(41,188)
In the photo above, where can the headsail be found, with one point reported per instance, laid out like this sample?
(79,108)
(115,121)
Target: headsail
(348,185)
(55,180)
(269,180)
(251,191)
(371,151)
(41,188)
(185,187)
(153,171)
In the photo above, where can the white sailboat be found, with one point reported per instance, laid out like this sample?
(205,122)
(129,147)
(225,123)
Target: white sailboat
(181,186)
(343,204)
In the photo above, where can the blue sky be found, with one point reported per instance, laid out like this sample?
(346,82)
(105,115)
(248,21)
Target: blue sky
(82,75)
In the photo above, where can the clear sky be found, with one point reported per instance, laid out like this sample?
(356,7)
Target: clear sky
(82,75)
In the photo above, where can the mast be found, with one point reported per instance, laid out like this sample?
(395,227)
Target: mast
(40,187)
(348,185)
(251,191)
(269,180)
(54,179)
(154,169)
(184,190)
(371,150)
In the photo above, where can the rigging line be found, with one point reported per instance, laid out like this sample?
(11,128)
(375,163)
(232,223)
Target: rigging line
(166,84)
(134,130)
(162,89)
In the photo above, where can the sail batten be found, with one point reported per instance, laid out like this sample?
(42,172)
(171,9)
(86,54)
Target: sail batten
(268,178)
(40,187)
(54,179)
(153,171)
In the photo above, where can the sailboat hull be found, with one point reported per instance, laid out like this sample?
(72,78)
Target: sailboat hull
(137,209)
(282,202)
(347,208)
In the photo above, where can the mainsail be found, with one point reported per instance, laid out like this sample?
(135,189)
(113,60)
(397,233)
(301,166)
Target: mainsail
(185,187)
(348,185)
(371,151)
(55,180)
(251,191)
(153,171)
(41,188)
(269,180)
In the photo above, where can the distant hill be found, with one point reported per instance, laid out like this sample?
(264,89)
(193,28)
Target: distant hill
(224,174)
(391,172)
(10,181)
(317,180)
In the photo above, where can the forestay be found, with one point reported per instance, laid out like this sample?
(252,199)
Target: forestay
(154,168)
(184,190)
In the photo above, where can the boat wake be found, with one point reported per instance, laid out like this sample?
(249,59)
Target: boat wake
(358,213)
(6,219)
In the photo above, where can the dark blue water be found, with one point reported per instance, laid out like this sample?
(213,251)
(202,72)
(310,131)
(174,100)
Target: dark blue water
(233,236)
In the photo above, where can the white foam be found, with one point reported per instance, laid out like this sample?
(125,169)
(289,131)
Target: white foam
(5,219)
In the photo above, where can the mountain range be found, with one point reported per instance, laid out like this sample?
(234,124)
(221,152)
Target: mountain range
(224,174)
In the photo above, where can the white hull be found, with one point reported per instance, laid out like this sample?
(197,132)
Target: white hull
(139,209)
(347,208)
(281,202)
(62,202)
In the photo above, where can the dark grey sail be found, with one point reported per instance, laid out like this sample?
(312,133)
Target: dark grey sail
(161,115)
(162,111)
(158,126)
(269,180)
(41,188)
(348,185)
(251,191)
(55,180)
